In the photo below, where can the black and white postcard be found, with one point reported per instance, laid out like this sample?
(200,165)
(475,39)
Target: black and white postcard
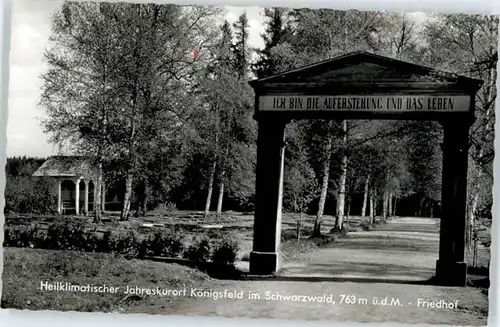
(292,163)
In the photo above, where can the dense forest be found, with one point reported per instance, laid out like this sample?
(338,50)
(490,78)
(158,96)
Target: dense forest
(158,97)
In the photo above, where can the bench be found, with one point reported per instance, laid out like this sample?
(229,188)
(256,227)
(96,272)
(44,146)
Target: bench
(67,205)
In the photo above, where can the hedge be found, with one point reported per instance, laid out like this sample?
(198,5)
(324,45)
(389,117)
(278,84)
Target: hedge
(221,250)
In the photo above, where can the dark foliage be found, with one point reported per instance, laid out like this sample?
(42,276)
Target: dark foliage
(25,194)
(22,166)
(200,251)
(165,243)
(220,249)
(225,252)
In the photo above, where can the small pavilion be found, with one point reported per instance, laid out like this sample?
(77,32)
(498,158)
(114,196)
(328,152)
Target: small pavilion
(75,178)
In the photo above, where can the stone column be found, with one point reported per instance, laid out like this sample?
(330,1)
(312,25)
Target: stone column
(86,199)
(59,196)
(451,268)
(77,196)
(265,257)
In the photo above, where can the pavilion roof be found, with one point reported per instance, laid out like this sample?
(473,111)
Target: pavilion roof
(66,166)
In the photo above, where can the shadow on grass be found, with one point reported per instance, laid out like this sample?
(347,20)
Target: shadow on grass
(222,272)
(340,279)
(234,274)
(481,283)
(481,271)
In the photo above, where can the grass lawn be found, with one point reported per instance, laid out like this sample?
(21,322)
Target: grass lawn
(24,270)
(412,244)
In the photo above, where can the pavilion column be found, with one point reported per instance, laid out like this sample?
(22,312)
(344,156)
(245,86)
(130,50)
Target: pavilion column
(451,268)
(59,196)
(265,257)
(95,193)
(77,196)
(86,197)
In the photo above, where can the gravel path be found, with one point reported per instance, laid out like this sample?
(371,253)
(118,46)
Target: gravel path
(405,249)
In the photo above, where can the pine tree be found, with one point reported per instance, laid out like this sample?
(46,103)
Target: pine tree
(240,48)
(276,33)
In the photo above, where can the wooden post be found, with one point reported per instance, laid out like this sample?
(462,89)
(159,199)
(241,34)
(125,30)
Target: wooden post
(265,257)
(451,268)
(77,196)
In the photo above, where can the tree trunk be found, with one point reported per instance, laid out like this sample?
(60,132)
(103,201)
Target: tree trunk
(339,219)
(421,206)
(372,208)
(365,196)
(133,156)
(128,195)
(140,192)
(324,188)
(103,195)
(349,201)
(394,207)
(472,218)
(385,205)
(210,189)
(299,226)
(219,201)
(348,212)
(375,205)
(389,205)
(97,197)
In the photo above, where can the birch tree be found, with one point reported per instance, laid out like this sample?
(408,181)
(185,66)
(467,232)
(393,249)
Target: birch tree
(79,88)
(468,45)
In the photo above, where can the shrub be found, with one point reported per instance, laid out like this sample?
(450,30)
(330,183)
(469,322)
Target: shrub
(77,236)
(225,252)
(92,241)
(105,243)
(26,194)
(142,249)
(165,243)
(66,235)
(200,250)
(23,236)
(126,243)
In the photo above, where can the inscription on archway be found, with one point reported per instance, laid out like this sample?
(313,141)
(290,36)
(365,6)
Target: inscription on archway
(364,86)
(380,103)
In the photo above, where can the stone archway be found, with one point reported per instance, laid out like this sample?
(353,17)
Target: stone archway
(364,86)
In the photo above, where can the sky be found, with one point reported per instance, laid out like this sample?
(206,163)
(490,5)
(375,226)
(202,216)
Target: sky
(31,28)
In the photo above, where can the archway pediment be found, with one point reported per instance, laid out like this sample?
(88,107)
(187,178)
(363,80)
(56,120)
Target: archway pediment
(361,85)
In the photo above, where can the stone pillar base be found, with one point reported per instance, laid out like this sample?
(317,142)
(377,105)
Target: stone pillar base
(451,273)
(264,262)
